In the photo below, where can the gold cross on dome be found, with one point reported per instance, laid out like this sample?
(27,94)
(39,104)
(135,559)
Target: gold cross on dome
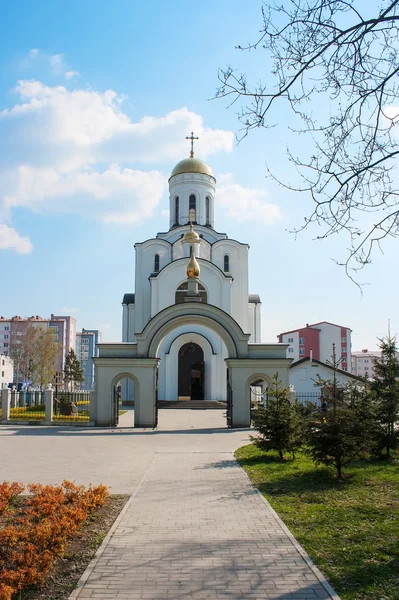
(192,138)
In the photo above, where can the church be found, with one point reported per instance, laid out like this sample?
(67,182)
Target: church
(190,330)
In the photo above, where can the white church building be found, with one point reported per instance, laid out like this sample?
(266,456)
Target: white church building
(190,330)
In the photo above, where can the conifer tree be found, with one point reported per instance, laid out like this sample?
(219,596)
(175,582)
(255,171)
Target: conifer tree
(385,386)
(340,430)
(73,372)
(279,422)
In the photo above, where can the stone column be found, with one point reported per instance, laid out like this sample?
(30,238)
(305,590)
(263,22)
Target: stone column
(22,398)
(49,404)
(14,396)
(5,404)
(93,406)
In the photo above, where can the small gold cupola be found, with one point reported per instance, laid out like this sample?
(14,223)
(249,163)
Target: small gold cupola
(191,237)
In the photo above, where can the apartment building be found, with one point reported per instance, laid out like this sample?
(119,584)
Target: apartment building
(363,362)
(316,340)
(6,370)
(86,350)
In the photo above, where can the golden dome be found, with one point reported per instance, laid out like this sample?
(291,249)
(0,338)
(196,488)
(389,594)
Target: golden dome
(191,237)
(192,165)
(193,268)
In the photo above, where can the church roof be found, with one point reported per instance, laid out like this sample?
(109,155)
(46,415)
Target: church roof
(128,299)
(254,299)
(192,165)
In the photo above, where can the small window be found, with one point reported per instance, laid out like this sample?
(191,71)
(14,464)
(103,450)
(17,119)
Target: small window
(343,349)
(290,340)
(177,210)
(5,345)
(207,210)
(302,342)
(156,263)
(302,351)
(6,328)
(6,337)
(192,203)
(290,350)
(2,373)
(226,263)
(343,339)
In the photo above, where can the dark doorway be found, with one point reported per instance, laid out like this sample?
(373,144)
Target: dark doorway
(191,372)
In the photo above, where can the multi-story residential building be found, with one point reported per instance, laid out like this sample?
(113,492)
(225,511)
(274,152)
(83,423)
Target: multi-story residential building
(86,350)
(316,340)
(363,362)
(6,370)
(64,328)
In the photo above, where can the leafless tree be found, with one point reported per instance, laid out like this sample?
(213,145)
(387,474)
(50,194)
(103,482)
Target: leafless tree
(337,68)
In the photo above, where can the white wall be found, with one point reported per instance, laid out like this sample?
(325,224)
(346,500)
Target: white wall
(294,345)
(191,183)
(303,377)
(214,350)
(6,370)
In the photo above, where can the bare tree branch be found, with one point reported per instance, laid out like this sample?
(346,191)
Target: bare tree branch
(326,51)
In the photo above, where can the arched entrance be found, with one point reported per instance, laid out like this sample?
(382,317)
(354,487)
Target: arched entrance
(120,385)
(191,372)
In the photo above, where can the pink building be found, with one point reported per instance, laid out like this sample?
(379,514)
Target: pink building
(64,328)
(317,340)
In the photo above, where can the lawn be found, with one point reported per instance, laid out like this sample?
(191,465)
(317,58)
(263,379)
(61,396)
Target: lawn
(349,528)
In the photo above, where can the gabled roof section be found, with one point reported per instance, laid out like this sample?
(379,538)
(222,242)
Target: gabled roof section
(323,364)
(298,329)
(328,323)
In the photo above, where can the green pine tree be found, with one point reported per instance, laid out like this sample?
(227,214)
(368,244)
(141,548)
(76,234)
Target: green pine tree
(279,422)
(340,430)
(73,372)
(385,386)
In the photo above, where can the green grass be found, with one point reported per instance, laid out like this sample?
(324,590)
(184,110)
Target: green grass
(350,529)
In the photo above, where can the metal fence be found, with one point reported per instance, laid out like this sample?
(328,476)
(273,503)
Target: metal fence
(71,406)
(308,397)
(29,405)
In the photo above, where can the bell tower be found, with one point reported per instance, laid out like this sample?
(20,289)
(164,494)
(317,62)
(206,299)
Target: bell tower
(192,192)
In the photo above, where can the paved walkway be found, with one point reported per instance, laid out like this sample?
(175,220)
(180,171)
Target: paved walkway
(194,526)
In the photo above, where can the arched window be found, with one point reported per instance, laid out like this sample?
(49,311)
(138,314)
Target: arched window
(177,210)
(156,263)
(207,210)
(226,264)
(192,204)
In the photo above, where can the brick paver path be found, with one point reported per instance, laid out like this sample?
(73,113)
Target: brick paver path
(196,528)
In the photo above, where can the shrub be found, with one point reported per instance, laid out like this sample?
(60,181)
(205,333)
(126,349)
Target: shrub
(50,516)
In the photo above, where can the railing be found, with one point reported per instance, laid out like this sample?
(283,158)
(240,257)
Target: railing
(27,405)
(45,405)
(71,406)
(308,397)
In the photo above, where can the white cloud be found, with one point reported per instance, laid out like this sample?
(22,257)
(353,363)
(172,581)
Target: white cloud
(10,239)
(391,112)
(70,74)
(57,63)
(245,204)
(61,151)
(33,53)
(114,195)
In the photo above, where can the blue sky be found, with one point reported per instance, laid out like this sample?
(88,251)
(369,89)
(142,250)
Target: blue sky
(96,99)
